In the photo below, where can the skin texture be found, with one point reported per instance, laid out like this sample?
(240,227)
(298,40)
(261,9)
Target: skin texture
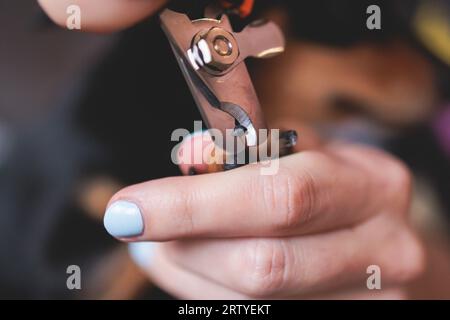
(309,231)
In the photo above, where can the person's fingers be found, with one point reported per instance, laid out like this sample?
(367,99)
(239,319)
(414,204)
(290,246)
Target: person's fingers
(312,191)
(187,285)
(284,267)
(102,15)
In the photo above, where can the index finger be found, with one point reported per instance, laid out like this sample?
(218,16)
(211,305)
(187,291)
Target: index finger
(312,191)
(102,15)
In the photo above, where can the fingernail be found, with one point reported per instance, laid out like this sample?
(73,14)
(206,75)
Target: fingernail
(123,219)
(142,253)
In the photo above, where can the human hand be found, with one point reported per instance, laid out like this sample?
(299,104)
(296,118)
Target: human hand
(310,230)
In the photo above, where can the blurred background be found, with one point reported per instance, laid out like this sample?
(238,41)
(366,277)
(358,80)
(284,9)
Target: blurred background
(82,115)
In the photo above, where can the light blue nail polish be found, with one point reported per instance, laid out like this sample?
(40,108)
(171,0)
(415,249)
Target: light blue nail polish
(123,219)
(142,253)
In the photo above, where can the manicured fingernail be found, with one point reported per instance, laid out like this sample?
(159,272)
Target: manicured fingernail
(142,253)
(123,219)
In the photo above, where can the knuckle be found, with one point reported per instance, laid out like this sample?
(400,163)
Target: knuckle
(287,199)
(181,209)
(265,268)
